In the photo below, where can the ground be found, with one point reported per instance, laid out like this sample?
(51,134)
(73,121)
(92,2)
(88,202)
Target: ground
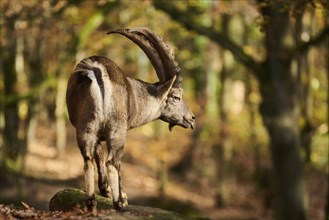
(45,174)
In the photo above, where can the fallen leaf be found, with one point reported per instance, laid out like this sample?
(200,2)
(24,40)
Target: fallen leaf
(25,205)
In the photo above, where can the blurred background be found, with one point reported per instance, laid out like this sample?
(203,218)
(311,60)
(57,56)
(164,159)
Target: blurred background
(255,74)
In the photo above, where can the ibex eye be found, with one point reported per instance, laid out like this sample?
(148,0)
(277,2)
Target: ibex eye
(176,99)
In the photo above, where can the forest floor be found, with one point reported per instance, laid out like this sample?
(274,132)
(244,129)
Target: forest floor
(44,175)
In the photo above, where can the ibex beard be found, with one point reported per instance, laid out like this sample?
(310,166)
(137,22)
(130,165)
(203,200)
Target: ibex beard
(103,104)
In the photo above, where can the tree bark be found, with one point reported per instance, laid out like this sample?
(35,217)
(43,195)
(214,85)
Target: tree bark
(224,151)
(14,145)
(280,111)
(281,124)
(307,129)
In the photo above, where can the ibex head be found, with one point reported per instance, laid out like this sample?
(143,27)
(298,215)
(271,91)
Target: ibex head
(174,111)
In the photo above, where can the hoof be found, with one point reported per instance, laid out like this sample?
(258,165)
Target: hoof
(117,206)
(124,199)
(123,202)
(91,203)
(106,194)
(103,189)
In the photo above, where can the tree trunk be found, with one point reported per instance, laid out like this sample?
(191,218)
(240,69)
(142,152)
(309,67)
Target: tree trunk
(280,112)
(60,116)
(224,151)
(33,54)
(281,124)
(14,142)
(307,129)
(326,211)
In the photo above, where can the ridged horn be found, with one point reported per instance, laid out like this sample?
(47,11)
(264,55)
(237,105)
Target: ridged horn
(157,51)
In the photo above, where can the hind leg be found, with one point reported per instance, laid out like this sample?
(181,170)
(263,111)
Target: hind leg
(102,176)
(115,144)
(120,198)
(87,142)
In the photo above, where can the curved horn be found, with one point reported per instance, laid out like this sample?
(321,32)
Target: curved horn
(171,67)
(156,50)
(147,47)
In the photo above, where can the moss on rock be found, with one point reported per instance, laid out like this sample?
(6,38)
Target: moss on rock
(70,199)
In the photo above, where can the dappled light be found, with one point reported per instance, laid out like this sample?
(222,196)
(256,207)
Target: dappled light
(255,75)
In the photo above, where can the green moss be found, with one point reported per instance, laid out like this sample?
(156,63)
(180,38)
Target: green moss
(70,198)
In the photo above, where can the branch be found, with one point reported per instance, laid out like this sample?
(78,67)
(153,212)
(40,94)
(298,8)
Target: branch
(13,98)
(93,23)
(188,22)
(320,37)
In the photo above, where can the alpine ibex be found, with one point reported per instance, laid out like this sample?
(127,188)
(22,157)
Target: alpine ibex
(103,104)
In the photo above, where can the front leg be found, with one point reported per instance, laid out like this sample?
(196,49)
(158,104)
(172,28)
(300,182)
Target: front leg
(115,145)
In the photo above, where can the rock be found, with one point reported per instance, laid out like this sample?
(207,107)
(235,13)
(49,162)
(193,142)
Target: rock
(71,199)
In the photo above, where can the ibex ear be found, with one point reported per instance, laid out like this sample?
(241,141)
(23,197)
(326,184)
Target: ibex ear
(164,88)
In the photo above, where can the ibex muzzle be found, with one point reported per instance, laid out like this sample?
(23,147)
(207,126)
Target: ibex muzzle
(176,112)
(103,104)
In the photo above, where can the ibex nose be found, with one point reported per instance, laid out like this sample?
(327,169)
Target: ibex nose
(192,115)
(191,120)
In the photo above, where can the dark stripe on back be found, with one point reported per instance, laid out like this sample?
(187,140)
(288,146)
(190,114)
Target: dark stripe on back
(98,75)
